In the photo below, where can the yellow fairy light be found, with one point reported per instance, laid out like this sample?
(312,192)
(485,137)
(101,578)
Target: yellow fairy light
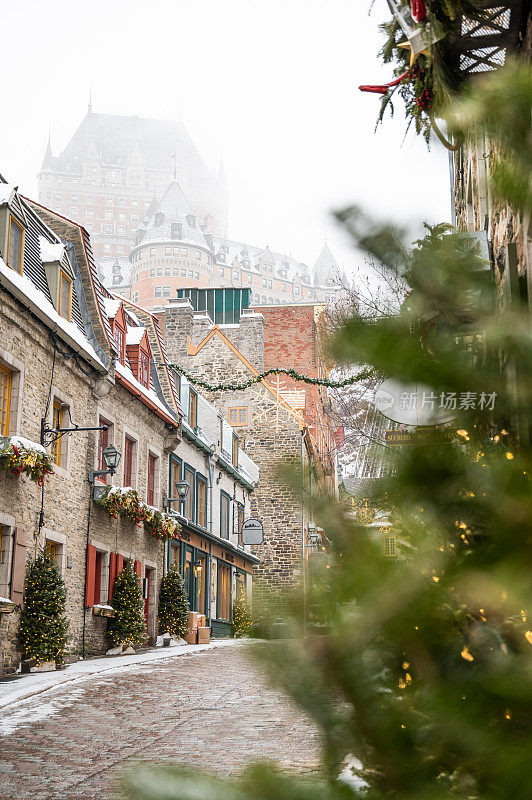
(528,636)
(463,526)
(504,433)
(523,615)
(496,438)
(509,456)
(435,578)
(408,678)
(481,610)
(461,432)
(466,655)
(405,664)
(402,684)
(403,726)
(508,714)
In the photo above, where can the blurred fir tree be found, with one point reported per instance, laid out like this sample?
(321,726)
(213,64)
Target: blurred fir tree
(242,619)
(425,672)
(172,615)
(43,626)
(128,626)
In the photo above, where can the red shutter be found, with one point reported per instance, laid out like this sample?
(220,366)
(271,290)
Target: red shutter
(119,563)
(91,572)
(138,569)
(112,573)
(19,567)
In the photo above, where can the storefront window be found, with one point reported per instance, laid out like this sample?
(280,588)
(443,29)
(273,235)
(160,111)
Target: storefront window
(224,592)
(200,570)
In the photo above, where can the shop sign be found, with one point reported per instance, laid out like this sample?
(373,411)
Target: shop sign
(252,531)
(430,436)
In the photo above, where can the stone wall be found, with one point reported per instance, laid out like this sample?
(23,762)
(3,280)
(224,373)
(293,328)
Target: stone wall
(28,351)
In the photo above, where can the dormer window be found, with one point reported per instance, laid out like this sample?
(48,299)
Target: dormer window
(65,295)
(159,219)
(144,369)
(14,245)
(177,230)
(191,221)
(120,339)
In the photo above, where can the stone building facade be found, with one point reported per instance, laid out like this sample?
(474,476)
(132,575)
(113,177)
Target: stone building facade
(73,354)
(273,432)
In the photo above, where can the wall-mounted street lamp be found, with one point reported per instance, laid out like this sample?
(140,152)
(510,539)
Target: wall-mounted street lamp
(198,569)
(111,459)
(181,488)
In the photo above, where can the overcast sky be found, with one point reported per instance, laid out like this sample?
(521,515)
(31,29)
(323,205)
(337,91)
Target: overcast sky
(272,84)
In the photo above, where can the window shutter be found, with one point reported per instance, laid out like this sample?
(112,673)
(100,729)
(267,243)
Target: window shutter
(119,563)
(91,572)
(112,573)
(19,567)
(138,568)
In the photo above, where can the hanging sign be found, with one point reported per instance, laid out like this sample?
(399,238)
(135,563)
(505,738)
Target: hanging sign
(252,531)
(415,404)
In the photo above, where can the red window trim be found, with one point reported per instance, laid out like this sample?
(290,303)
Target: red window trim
(150,493)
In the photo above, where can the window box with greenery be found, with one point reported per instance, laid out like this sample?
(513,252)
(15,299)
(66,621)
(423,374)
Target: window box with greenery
(22,456)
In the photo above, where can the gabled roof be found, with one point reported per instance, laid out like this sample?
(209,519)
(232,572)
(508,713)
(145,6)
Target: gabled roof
(160,357)
(31,287)
(215,331)
(94,292)
(174,209)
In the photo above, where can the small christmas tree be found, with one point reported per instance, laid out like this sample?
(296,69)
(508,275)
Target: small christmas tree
(242,620)
(43,626)
(173,605)
(128,626)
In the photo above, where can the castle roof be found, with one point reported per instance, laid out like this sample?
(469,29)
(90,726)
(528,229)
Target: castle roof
(119,141)
(173,221)
(326,270)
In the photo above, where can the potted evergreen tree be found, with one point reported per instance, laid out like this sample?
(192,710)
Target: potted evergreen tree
(43,626)
(128,627)
(172,617)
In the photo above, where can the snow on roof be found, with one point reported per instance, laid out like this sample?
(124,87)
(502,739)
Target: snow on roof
(111,306)
(133,317)
(6,193)
(149,393)
(134,335)
(22,287)
(50,251)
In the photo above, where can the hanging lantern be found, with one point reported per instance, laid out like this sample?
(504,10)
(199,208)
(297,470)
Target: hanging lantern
(417,39)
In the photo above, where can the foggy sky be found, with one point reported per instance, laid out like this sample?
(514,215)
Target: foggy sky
(272,84)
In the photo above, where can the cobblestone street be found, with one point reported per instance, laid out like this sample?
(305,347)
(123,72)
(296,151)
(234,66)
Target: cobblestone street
(212,710)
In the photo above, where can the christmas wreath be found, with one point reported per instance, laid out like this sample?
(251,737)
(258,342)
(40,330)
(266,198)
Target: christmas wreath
(19,455)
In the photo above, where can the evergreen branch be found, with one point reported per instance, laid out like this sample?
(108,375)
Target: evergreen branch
(369,372)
